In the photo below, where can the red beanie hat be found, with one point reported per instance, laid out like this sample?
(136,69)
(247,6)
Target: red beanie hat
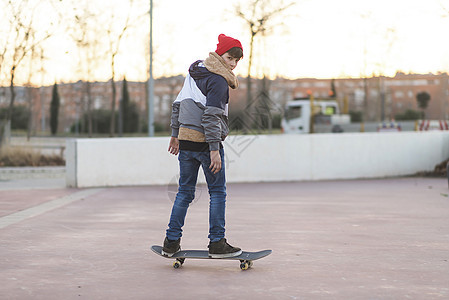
(225,43)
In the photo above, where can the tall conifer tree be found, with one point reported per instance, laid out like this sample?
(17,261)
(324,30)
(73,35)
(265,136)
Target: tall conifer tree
(54,110)
(126,115)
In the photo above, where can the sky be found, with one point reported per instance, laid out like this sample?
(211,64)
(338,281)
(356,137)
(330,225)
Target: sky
(313,38)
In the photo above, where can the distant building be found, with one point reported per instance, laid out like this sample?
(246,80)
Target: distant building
(398,93)
(392,95)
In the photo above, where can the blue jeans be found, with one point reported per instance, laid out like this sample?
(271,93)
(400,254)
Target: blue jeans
(189,163)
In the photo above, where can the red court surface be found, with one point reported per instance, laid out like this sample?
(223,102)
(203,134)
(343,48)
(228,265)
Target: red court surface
(358,239)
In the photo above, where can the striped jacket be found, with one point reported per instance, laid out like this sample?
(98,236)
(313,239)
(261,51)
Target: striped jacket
(200,112)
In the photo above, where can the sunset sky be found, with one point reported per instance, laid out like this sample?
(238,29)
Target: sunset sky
(313,38)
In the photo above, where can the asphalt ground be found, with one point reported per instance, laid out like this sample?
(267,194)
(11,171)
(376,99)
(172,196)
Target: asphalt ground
(358,239)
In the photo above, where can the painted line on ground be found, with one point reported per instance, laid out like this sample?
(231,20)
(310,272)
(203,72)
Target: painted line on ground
(45,207)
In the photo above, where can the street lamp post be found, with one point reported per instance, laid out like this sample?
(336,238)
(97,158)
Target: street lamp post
(151,80)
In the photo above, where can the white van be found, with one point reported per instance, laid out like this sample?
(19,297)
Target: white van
(298,113)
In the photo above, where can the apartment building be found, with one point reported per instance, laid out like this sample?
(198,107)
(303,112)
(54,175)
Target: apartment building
(374,96)
(387,96)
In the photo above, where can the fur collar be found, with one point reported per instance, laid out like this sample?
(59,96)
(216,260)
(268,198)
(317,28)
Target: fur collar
(216,64)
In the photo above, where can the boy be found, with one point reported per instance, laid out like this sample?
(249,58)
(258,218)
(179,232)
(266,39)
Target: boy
(199,124)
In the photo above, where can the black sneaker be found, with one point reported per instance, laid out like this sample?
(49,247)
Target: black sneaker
(222,249)
(171,247)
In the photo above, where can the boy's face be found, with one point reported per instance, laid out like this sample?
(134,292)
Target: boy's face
(230,60)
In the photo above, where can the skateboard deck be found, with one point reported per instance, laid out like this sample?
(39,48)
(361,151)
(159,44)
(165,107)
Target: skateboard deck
(246,258)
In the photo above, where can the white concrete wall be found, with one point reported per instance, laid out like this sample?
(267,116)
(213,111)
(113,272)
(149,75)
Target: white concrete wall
(145,161)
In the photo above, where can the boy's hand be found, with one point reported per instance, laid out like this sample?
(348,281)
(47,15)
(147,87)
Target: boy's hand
(173,147)
(215,161)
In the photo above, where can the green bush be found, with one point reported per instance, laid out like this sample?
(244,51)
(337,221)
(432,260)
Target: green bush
(158,127)
(101,120)
(20,116)
(409,114)
(131,119)
(356,116)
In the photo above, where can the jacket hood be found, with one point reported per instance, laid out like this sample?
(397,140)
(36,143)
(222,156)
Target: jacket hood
(198,71)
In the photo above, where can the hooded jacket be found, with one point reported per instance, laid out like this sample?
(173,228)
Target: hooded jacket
(200,112)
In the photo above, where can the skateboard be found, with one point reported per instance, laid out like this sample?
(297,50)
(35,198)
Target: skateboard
(246,258)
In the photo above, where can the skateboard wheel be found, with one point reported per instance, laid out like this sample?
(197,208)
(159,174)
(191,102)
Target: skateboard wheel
(177,264)
(244,266)
(250,264)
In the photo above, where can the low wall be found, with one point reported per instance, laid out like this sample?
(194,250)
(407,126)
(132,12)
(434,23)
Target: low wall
(145,161)
(13,173)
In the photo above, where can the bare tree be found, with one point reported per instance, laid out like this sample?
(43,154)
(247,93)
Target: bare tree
(374,108)
(5,36)
(260,17)
(98,29)
(367,18)
(115,35)
(85,32)
(20,40)
(6,32)
(29,91)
